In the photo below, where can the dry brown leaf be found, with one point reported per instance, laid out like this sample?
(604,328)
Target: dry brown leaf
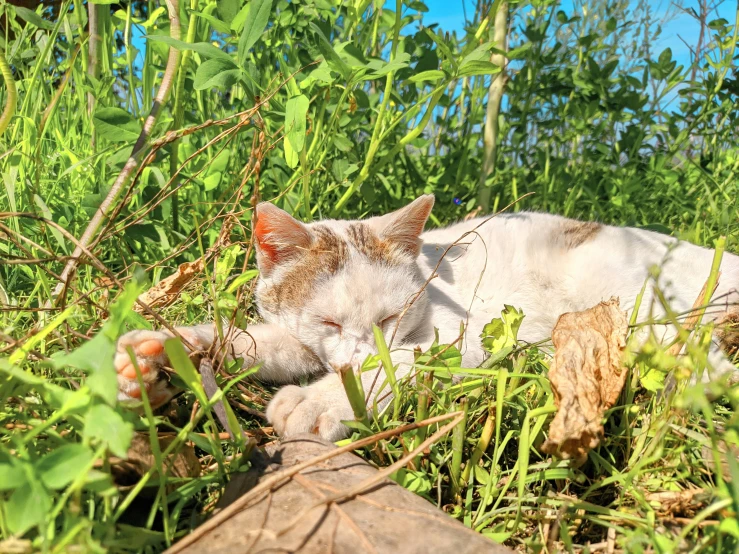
(587,375)
(167,290)
(473,214)
(678,503)
(181,463)
(727,330)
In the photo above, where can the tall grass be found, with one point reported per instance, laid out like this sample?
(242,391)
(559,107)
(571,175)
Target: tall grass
(345,109)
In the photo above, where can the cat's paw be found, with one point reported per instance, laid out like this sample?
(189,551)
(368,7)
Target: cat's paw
(148,347)
(313,409)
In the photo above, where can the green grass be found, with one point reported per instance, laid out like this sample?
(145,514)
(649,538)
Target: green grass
(390,111)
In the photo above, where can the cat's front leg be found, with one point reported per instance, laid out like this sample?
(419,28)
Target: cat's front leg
(282,357)
(321,407)
(318,408)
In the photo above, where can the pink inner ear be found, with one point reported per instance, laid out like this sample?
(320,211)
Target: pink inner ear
(279,236)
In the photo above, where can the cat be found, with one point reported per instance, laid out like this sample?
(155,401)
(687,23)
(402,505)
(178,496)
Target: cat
(323,285)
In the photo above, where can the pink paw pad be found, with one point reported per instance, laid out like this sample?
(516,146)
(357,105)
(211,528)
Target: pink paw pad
(148,349)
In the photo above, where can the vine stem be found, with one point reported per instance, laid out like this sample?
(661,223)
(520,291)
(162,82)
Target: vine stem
(179,112)
(134,159)
(495,97)
(375,140)
(12,101)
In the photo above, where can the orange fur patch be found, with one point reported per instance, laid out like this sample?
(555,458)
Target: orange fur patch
(577,233)
(727,330)
(366,242)
(326,254)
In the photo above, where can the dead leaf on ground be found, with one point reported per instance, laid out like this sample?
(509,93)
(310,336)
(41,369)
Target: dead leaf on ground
(181,463)
(685,503)
(587,375)
(168,289)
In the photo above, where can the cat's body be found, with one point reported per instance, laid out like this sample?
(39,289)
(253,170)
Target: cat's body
(323,285)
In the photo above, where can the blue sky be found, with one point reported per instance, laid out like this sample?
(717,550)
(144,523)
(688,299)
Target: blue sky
(449,14)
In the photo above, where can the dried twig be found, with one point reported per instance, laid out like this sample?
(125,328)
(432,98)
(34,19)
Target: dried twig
(133,161)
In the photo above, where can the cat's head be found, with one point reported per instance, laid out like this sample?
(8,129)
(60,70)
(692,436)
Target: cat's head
(328,282)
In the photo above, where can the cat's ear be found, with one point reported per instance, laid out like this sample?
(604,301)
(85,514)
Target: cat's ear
(404,226)
(279,237)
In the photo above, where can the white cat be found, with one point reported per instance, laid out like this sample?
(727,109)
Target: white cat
(323,285)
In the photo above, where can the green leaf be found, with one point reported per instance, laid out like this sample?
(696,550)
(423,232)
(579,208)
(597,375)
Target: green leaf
(730,526)
(205,49)
(238,21)
(415,481)
(184,368)
(342,143)
(430,75)
(332,58)
(665,57)
(217,24)
(478,67)
(21,352)
(27,507)
(321,74)
(295,118)
(12,475)
(653,379)
(443,48)
(226,262)
(116,125)
(216,73)
(380,68)
(32,17)
(106,425)
(62,466)
(256,22)
(502,333)
(95,356)
(481,475)
(242,279)
(48,215)
(227,9)
(153,16)
(517,53)
(499,536)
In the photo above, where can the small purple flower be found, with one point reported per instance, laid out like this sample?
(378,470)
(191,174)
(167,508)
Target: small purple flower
(457,201)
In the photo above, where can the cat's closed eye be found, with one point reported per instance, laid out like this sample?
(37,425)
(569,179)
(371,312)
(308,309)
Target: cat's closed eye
(388,321)
(332,324)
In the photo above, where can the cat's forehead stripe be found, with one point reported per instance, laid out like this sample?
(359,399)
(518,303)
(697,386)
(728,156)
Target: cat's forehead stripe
(366,242)
(327,254)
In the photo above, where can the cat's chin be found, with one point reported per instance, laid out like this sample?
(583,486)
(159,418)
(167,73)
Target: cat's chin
(319,408)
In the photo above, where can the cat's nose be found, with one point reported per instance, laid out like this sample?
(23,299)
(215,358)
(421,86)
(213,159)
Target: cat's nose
(361,351)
